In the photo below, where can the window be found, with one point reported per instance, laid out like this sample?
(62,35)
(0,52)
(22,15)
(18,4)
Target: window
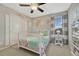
(58,22)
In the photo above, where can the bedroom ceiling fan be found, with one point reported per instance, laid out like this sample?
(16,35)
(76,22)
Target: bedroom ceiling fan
(34,6)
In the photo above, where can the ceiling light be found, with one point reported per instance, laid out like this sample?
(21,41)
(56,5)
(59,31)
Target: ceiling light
(34,6)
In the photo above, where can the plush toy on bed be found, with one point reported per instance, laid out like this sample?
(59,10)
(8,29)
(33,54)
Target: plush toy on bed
(42,43)
(42,49)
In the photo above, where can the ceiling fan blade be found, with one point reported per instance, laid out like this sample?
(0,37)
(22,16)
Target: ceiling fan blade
(41,3)
(31,11)
(24,5)
(40,9)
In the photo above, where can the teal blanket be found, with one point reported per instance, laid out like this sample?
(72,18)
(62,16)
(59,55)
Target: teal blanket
(33,42)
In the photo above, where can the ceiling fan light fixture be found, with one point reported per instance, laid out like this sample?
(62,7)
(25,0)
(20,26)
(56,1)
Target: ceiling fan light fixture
(34,6)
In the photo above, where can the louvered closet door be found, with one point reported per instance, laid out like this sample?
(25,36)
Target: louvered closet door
(2,31)
(14,29)
(7,38)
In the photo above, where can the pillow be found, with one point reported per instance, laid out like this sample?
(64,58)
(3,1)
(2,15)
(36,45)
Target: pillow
(45,33)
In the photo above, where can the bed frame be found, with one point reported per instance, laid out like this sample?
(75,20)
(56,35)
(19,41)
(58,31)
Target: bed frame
(29,49)
(20,46)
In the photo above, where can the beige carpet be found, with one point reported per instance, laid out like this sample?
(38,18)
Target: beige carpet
(15,51)
(52,50)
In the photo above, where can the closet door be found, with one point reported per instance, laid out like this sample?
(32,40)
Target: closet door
(2,31)
(7,38)
(13,29)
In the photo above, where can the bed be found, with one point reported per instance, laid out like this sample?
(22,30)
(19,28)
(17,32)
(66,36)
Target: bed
(32,41)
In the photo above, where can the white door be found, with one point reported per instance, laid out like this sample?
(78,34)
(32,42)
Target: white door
(2,31)
(7,38)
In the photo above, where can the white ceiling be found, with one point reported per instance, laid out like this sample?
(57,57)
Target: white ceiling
(49,8)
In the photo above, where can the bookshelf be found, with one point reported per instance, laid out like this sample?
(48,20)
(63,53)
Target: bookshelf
(75,38)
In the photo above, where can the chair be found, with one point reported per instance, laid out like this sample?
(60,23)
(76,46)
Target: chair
(59,40)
